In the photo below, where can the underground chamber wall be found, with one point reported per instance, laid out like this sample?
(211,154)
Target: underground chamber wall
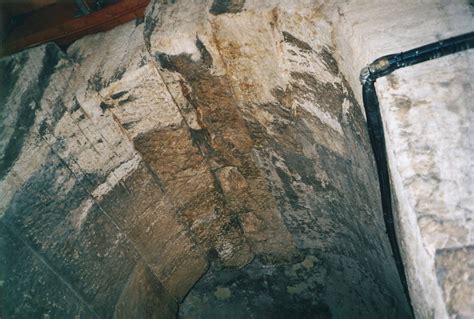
(232,175)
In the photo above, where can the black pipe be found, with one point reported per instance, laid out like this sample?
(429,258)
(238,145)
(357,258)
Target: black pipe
(389,63)
(381,67)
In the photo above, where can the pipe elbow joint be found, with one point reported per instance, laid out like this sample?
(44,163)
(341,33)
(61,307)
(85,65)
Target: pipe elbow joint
(365,76)
(380,67)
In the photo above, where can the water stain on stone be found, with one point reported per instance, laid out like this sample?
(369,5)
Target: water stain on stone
(118,95)
(48,124)
(403,104)
(9,72)
(226,6)
(288,37)
(288,188)
(96,82)
(327,55)
(151,22)
(105,106)
(29,103)
(329,96)
(393,82)
(126,100)
(206,57)
(304,167)
(118,74)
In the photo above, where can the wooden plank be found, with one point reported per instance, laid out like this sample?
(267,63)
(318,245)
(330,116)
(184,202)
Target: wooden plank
(64,31)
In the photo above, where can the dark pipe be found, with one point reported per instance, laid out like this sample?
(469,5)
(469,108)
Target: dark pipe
(381,67)
(377,140)
(389,63)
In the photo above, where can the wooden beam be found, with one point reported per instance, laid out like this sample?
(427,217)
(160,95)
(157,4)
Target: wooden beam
(57,23)
(16,7)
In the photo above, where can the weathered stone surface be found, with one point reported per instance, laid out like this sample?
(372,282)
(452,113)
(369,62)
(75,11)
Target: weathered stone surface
(428,114)
(210,162)
(21,102)
(456,280)
(432,168)
(143,297)
(226,6)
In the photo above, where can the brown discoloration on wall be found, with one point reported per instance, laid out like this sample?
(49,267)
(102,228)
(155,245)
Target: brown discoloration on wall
(144,297)
(149,218)
(227,148)
(190,186)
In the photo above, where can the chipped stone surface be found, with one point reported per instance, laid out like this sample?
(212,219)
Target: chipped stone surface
(210,162)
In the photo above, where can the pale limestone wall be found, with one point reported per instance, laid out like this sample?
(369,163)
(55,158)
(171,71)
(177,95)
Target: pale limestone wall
(428,116)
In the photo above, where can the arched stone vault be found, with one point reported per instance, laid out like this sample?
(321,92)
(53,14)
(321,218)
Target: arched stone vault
(215,158)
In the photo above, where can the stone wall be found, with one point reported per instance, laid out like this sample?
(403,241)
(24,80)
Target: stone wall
(213,158)
(428,114)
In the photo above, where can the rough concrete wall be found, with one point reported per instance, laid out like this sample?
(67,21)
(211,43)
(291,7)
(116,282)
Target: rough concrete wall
(428,114)
(203,142)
